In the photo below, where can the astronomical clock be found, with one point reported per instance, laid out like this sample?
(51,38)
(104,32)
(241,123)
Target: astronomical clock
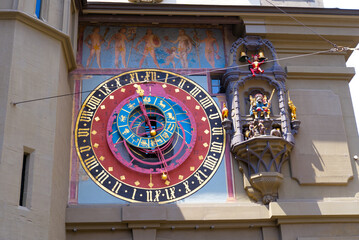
(150,136)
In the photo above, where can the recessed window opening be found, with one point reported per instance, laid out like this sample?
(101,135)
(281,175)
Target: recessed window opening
(38,8)
(25,177)
(216,85)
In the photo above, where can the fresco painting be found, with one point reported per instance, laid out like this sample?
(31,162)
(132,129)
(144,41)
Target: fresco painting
(137,47)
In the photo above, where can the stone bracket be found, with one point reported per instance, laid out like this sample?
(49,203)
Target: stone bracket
(263,157)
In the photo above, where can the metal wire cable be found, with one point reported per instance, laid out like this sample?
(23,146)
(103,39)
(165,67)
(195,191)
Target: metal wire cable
(197,73)
(335,48)
(327,40)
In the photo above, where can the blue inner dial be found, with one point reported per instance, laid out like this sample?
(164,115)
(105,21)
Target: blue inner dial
(133,127)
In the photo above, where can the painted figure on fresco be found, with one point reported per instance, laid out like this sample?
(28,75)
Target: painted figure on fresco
(151,42)
(211,48)
(184,46)
(94,41)
(120,39)
(172,55)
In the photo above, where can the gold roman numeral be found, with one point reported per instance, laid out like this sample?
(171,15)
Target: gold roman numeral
(102,176)
(133,76)
(83,132)
(206,102)
(210,162)
(117,187)
(134,193)
(182,83)
(198,176)
(195,91)
(86,116)
(149,196)
(186,186)
(150,76)
(170,193)
(216,147)
(107,90)
(118,83)
(217,131)
(213,116)
(91,163)
(93,102)
(85,149)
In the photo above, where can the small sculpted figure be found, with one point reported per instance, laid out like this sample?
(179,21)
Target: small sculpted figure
(224,111)
(250,131)
(275,132)
(259,105)
(255,68)
(293,108)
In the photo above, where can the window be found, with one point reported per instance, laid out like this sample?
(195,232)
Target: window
(38,8)
(216,85)
(24,199)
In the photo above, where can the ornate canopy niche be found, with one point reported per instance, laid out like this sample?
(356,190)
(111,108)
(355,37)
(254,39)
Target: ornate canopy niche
(260,124)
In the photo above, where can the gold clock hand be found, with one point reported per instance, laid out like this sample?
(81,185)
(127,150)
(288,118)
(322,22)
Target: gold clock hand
(153,132)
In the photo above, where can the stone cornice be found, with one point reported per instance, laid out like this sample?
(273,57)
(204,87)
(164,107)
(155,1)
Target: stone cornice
(228,215)
(45,28)
(186,9)
(315,72)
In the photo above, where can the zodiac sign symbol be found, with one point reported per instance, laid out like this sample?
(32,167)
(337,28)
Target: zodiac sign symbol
(123,118)
(170,116)
(134,139)
(162,105)
(126,131)
(165,135)
(170,127)
(131,105)
(146,99)
(143,143)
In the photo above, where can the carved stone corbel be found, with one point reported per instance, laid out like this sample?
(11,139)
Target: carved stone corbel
(263,158)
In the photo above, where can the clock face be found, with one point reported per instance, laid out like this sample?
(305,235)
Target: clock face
(149,136)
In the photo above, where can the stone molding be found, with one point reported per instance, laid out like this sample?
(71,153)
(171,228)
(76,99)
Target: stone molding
(229,214)
(320,72)
(45,28)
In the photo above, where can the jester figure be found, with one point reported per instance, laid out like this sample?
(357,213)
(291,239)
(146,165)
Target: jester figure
(255,68)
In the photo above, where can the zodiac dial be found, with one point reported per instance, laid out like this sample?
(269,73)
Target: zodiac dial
(149,136)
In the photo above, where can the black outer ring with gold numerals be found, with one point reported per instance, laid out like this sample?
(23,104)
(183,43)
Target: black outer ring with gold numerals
(93,165)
